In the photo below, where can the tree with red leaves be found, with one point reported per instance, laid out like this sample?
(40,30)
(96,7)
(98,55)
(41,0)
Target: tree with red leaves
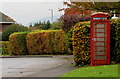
(73,15)
(80,11)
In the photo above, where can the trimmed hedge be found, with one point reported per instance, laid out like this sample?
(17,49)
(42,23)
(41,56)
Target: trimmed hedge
(47,42)
(81,43)
(18,43)
(0,47)
(115,40)
(5,48)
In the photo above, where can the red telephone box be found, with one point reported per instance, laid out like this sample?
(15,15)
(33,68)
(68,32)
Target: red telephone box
(100,39)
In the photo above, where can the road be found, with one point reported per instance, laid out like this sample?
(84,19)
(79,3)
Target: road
(36,67)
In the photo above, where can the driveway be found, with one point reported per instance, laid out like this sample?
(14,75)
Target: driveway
(36,67)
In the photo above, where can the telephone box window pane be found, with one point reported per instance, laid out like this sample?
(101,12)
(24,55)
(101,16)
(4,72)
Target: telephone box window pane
(100,34)
(100,30)
(100,25)
(100,39)
(99,57)
(99,48)
(99,44)
(99,52)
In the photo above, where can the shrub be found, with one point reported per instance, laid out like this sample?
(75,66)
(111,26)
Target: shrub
(115,40)
(47,42)
(18,43)
(81,43)
(5,47)
(56,25)
(11,29)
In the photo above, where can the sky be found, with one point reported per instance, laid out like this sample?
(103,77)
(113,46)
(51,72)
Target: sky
(30,11)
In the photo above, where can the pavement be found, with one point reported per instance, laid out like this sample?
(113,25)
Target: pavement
(36,66)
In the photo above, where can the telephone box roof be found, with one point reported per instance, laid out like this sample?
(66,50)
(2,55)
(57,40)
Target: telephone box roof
(99,13)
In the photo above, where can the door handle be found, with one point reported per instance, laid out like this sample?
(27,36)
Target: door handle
(94,39)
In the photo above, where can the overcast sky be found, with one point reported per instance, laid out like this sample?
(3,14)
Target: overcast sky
(26,11)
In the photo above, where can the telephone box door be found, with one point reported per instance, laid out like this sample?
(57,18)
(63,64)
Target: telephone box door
(100,43)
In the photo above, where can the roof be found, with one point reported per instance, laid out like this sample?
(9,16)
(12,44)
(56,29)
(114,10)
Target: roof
(99,13)
(5,19)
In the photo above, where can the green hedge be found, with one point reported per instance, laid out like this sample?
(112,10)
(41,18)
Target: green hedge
(0,47)
(81,43)
(115,40)
(47,42)
(18,43)
(5,48)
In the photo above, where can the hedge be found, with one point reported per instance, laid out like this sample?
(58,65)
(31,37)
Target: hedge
(81,43)
(115,40)
(47,42)
(5,48)
(18,43)
(0,47)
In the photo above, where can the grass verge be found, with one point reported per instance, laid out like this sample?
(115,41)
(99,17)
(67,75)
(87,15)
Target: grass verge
(96,71)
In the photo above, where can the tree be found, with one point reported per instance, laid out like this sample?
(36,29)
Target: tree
(73,15)
(107,6)
(11,29)
(80,11)
(30,25)
(46,26)
(98,6)
(41,25)
(56,25)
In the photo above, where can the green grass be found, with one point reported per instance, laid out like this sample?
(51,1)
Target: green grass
(5,55)
(96,71)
